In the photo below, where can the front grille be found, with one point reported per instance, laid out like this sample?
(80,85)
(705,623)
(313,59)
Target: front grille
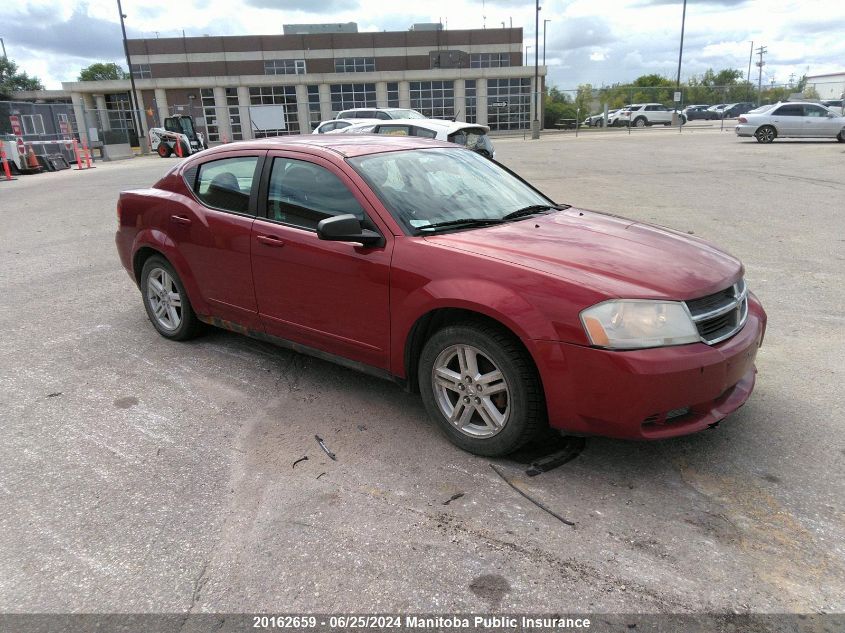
(720,315)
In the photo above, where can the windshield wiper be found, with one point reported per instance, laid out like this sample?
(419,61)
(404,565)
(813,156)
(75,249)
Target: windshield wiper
(532,209)
(461,222)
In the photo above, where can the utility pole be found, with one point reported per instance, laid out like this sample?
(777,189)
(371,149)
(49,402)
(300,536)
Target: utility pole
(748,78)
(3,44)
(681,53)
(760,51)
(791,79)
(136,111)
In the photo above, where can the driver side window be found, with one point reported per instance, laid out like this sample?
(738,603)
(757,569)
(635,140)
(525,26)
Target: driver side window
(302,193)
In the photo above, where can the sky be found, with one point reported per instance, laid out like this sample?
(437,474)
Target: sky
(588,41)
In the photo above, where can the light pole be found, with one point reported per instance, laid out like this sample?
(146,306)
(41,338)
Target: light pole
(3,44)
(535,128)
(681,53)
(136,113)
(526,53)
(545,22)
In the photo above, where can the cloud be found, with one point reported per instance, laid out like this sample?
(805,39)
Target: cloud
(306,6)
(580,32)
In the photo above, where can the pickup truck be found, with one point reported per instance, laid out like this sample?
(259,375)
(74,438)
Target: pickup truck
(643,114)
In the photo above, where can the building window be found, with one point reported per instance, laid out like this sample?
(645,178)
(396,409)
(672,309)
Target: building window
(435,99)
(234,113)
(120,111)
(209,111)
(284,96)
(141,71)
(469,90)
(508,103)
(354,64)
(348,96)
(393,94)
(489,60)
(314,106)
(284,66)
(33,125)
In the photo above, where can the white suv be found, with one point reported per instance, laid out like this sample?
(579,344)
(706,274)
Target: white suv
(643,114)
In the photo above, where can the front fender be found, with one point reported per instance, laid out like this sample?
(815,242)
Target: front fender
(485,297)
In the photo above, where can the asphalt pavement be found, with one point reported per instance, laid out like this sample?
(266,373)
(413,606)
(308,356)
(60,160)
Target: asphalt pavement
(141,475)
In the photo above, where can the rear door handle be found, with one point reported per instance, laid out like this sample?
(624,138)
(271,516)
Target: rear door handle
(270,240)
(180,219)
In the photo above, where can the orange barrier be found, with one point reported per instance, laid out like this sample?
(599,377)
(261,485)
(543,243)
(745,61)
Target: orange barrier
(87,154)
(6,169)
(31,160)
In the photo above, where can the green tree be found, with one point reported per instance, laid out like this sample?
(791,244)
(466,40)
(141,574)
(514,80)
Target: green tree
(12,80)
(102,72)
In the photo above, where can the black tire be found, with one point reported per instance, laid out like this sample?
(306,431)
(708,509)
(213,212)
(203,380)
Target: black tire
(526,407)
(164,150)
(841,136)
(640,121)
(765,134)
(186,151)
(189,325)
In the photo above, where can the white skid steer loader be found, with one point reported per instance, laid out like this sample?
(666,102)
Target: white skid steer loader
(178,136)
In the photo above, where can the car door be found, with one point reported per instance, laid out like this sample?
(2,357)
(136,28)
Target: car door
(817,123)
(332,296)
(789,119)
(213,232)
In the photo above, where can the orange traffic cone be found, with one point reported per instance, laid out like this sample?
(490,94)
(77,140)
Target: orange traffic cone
(32,161)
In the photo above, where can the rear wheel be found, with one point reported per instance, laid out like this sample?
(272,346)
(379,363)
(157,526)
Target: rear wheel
(481,387)
(166,301)
(841,136)
(765,134)
(164,150)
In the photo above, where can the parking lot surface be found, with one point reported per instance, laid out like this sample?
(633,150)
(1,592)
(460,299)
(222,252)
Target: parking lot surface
(141,475)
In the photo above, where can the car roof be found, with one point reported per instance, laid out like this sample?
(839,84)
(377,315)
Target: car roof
(346,145)
(376,109)
(435,125)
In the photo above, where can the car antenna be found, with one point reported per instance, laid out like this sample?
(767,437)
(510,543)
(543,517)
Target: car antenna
(455,118)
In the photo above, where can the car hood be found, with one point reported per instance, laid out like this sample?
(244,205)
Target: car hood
(609,254)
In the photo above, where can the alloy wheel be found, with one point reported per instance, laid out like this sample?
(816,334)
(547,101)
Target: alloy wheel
(471,391)
(164,298)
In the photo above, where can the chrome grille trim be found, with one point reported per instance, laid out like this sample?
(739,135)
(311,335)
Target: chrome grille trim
(731,303)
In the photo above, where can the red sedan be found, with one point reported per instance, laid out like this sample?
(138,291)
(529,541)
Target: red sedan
(430,265)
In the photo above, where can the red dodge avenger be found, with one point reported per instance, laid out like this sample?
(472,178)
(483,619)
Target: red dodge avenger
(428,264)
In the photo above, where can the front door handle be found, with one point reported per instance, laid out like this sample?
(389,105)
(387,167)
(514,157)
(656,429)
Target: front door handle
(180,219)
(270,240)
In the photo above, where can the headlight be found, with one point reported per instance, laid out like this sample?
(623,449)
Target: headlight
(635,324)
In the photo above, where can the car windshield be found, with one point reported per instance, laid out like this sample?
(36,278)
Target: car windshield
(424,187)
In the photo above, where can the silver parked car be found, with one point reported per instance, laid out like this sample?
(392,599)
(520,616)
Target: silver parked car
(791,119)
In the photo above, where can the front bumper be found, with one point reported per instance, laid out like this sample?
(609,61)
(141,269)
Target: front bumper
(652,393)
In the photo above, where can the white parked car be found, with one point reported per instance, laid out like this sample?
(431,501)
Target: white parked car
(338,124)
(597,120)
(380,113)
(470,135)
(647,114)
(791,119)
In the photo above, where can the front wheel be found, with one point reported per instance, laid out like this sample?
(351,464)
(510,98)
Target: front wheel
(640,122)
(841,136)
(765,134)
(481,387)
(166,301)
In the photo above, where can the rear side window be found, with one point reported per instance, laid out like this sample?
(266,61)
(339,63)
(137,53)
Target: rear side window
(790,110)
(421,131)
(302,193)
(227,183)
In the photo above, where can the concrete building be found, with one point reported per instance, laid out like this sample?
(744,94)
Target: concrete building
(830,86)
(314,71)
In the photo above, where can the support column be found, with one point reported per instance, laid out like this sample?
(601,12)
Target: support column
(161,105)
(221,115)
(481,101)
(381,94)
(303,112)
(243,106)
(102,112)
(460,100)
(79,115)
(404,94)
(325,102)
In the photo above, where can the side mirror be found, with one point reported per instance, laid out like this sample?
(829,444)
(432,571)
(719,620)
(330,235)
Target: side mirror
(347,228)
